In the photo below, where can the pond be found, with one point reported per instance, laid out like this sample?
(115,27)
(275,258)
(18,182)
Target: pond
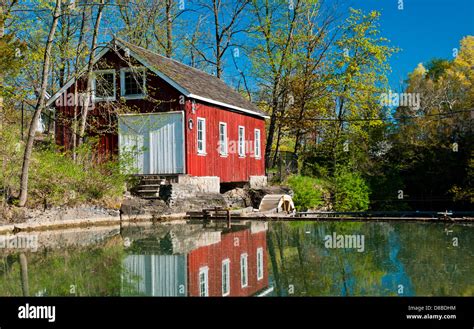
(252,258)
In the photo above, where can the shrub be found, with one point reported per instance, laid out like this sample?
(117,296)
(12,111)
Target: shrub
(351,192)
(56,179)
(307,192)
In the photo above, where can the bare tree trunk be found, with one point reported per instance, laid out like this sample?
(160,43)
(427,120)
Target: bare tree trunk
(277,146)
(215,6)
(85,107)
(39,107)
(271,126)
(25,287)
(169,29)
(80,47)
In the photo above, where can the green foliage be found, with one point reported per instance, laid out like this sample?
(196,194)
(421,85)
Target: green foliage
(307,191)
(436,68)
(351,192)
(90,271)
(57,179)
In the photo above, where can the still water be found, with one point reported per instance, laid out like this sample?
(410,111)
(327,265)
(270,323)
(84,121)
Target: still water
(249,259)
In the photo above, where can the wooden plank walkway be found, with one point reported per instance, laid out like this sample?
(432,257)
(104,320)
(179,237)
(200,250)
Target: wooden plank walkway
(400,216)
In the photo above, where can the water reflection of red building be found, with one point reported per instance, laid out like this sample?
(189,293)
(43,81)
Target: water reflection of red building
(235,266)
(200,262)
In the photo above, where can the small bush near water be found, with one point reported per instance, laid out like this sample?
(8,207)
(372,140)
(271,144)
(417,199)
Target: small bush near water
(351,192)
(307,192)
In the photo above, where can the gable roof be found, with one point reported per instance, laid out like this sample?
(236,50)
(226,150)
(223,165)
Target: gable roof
(189,81)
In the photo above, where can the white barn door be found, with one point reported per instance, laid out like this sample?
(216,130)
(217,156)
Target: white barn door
(155,142)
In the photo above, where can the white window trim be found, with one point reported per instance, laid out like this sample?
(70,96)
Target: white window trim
(244,284)
(122,82)
(225,262)
(259,155)
(241,155)
(203,151)
(226,146)
(103,99)
(204,270)
(260,269)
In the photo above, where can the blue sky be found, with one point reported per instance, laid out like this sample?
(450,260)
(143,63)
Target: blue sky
(424,29)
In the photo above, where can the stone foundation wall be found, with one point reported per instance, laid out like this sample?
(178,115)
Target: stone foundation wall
(258,182)
(204,184)
(189,197)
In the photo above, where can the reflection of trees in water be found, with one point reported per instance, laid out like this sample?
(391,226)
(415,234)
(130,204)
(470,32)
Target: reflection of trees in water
(24,274)
(435,266)
(90,271)
(419,256)
(311,269)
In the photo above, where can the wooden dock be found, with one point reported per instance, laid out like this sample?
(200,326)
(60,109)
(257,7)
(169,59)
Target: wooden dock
(220,214)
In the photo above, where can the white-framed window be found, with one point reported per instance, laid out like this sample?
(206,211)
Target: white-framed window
(223,138)
(259,263)
(241,141)
(204,281)
(257,147)
(226,277)
(201,136)
(133,82)
(104,85)
(244,271)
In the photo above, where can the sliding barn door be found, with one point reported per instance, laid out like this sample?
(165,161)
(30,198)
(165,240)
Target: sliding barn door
(153,143)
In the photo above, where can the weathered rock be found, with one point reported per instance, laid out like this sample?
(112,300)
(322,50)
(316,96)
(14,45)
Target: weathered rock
(237,198)
(137,206)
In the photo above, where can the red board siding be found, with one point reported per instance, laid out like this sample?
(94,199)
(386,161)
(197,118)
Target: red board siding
(163,97)
(230,247)
(231,168)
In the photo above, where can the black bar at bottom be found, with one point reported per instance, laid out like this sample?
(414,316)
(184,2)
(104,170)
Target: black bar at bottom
(324,312)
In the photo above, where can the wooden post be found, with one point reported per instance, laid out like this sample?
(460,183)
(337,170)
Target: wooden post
(205,217)
(229,224)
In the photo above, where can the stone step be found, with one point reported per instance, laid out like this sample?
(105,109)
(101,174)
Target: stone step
(147,191)
(149,186)
(150,197)
(149,181)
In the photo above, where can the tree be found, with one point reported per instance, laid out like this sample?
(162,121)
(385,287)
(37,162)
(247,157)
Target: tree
(39,106)
(90,66)
(5,9)
(144,21)
(225,23)
(432,145)
(276,22)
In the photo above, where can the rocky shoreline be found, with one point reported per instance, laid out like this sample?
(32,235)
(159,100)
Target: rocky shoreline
(132,208)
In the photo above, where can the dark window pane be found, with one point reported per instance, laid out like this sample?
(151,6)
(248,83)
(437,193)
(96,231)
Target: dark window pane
(104,85)
(133,83)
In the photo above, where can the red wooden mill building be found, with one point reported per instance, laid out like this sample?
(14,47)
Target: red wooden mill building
(184,121)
